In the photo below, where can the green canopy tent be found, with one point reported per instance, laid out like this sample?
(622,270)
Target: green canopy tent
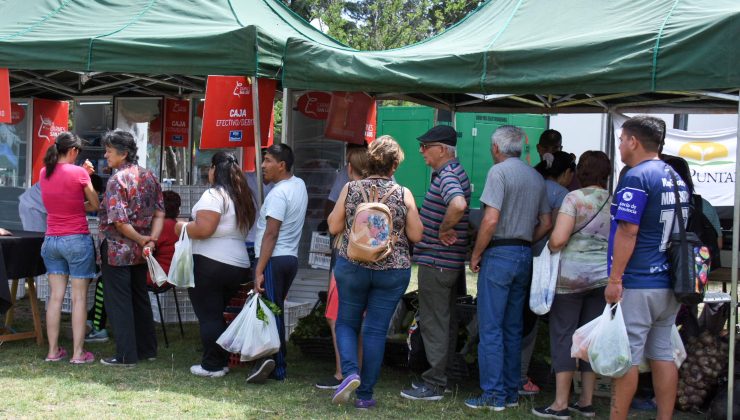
(552,57)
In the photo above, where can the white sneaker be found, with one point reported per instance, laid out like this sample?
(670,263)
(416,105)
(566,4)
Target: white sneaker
(199,371)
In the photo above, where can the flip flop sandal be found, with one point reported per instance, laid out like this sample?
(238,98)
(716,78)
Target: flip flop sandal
(61,354)
(87,357)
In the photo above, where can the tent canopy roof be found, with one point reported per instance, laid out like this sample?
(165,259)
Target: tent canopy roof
(185,37)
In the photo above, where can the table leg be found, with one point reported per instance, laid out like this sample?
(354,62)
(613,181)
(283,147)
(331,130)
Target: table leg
(11,312)
(35,311)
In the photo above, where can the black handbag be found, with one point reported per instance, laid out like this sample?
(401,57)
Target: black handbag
(688,258)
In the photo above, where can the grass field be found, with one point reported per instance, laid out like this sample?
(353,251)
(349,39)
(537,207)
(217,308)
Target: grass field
(32,388)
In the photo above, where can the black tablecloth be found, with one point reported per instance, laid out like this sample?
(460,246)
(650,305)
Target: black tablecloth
(20,257)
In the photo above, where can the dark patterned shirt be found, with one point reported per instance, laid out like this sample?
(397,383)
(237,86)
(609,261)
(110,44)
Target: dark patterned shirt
(132,196)
(399,258)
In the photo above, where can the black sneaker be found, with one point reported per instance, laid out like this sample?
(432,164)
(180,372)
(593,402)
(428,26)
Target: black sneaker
(549,413)
(112,361)
(423,392)
(261,371)
(328,383)
(416,384)
(587,411)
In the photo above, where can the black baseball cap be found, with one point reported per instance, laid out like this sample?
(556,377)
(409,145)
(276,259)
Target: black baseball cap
(440,134)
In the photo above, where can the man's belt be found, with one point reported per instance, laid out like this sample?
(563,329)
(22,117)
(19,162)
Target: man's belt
(509,242)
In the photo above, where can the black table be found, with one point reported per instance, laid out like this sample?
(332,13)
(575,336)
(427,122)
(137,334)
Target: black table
(20,257)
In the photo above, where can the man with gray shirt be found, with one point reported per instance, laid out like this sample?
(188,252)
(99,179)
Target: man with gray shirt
(514,199)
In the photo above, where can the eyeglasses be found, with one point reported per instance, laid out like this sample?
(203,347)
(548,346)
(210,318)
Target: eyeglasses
(425,146)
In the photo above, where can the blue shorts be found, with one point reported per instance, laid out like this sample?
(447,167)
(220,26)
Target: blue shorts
(72,255)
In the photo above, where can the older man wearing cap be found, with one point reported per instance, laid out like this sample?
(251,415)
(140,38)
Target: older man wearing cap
(441,257)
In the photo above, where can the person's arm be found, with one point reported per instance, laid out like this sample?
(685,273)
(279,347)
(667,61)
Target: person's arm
(454,213)
(128,231)
(414,227)
(543,227)
(625,239)
(205,223)
(92,203)
(485,232)
(269,239)
(338,217)
(560,235)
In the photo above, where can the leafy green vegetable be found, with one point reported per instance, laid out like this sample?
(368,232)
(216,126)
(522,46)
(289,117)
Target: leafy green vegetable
(271,306)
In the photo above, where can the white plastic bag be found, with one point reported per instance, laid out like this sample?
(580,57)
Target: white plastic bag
(679,352)
(609,352)
(250,336)
(544,281)
(156,273)
(582,339)
(181,268)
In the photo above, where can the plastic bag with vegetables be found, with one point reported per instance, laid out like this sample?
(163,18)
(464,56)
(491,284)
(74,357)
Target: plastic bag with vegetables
(253,333)
(609,351)
(582,339)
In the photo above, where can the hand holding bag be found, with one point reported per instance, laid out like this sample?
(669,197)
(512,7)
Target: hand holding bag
(181,268)
(544,281)
(156,273)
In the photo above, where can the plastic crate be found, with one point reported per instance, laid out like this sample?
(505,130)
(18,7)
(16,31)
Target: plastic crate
(169,309)
(293,311)
(21,293)
(42,287)
(319,255)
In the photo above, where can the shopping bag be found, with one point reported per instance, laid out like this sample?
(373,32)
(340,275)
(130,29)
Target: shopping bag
(609,352)
(582,339)
(545,269)
(679,352)
(181,268)
(232,339)
(250,336)
(156,273)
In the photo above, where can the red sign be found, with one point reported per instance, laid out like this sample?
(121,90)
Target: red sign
(50,118)
(248,157)
(352,117)
(315,105)
(17,113)
(176,122)
(5,96)
(228,115)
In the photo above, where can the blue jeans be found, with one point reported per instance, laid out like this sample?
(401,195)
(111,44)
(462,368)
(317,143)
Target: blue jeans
(506,272)
(374,293)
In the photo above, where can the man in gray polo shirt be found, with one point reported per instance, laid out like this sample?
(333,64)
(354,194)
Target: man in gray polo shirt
(514,196)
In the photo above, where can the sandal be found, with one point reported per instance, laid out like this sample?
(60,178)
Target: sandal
(87,357)
(61,354)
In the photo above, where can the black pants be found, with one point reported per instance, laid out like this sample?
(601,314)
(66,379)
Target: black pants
(215,284)
(279,275)
(129,310)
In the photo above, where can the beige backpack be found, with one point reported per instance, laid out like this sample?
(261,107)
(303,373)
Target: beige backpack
(371,236)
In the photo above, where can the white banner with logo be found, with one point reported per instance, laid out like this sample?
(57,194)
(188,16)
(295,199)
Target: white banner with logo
(710,155)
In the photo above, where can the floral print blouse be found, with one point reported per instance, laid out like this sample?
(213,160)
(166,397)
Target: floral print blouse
(132,196)
(399,258)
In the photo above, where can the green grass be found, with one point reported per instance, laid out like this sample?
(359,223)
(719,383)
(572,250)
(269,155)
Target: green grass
(32,388)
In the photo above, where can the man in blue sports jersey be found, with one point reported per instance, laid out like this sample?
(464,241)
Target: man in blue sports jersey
(643,213)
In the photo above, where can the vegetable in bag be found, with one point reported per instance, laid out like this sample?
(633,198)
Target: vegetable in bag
(609,352)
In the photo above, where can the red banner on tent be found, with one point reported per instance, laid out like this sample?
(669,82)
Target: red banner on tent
(352,117)
(228,115)
(50,118)
(315,105)
(176,122)
(17,113)
(5,110)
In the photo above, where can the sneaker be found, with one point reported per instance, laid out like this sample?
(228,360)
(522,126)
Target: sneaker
(424,392)
(97,336)
(549,413)
(328,383)
(198,370)
(529,388)
(416,384)
(261,371)
(483,403)
(344,390)
(586,411)
(87,357)
(112,361)
(364,404)
(647,404)
(512,404)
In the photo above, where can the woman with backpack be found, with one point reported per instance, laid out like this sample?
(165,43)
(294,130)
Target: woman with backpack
(377,220)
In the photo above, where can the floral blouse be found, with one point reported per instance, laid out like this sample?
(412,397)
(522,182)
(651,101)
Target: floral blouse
(399,258)
(132,196)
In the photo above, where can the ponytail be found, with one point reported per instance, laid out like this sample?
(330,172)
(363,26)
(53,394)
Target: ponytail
(64,142)
(50,159)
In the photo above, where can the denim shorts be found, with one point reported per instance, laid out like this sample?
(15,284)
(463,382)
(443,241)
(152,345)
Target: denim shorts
(71,255)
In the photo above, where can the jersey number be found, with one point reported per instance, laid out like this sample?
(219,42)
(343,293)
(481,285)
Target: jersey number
(666,218)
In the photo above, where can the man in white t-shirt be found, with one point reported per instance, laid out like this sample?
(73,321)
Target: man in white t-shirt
(278,234)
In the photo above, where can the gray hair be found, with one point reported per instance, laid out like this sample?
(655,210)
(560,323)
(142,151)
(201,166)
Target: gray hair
(450,149)
(509,140)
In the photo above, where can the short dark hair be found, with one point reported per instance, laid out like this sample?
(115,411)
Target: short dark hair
(649,131)
(551,137)
(594,168)
(172,204)
(282,153)
(123,142)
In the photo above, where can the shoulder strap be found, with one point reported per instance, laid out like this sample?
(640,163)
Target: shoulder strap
(388,194)
(365,198)
(595,214)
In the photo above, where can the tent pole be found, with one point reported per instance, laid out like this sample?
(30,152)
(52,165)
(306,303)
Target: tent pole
(257,141)
(733,289)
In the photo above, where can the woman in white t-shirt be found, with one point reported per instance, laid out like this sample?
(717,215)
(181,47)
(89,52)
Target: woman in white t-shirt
(221,219)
